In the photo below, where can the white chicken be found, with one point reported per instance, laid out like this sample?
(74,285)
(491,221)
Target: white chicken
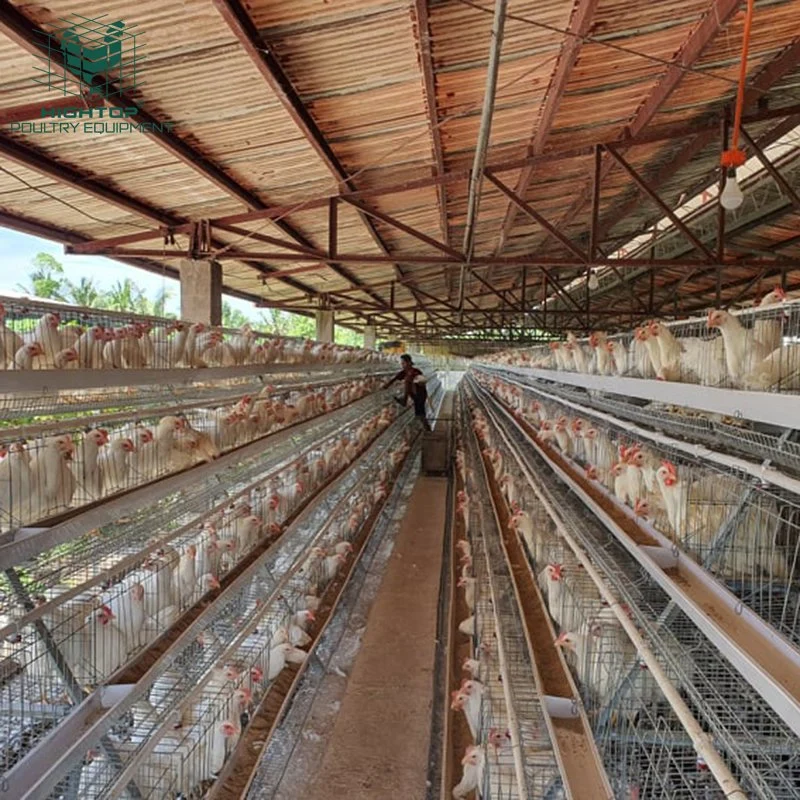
(85,464)
(743,352)
(473,765)
(10,341)
(52,475)
(113,465)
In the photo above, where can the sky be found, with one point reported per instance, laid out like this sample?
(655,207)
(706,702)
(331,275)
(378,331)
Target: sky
(17,250)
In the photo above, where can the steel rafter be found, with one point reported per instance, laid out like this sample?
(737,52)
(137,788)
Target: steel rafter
(718,14)
(32,38)
(781,65)
(579,26)
(238,20)
(431,261)
(673,218)
(482,143)
(762,216)
(422,36)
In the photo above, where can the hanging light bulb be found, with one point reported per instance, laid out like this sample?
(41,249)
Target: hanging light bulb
(731,196)
(593,283)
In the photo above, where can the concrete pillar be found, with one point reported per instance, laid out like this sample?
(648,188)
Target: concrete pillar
(370,336)
(201,291)
(324,326)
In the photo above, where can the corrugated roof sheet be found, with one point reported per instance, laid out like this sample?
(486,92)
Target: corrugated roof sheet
(355,65)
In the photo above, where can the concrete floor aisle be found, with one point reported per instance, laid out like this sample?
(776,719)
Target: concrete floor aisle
(379,745)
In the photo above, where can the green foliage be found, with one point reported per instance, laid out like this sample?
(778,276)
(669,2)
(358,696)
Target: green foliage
(48,280)
(232,317)
(84,293)
(348,337)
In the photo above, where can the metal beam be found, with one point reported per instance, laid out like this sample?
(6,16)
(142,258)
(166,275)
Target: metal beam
(673,218)
(528,210)
(432,261)
(717,15)
(785,186)
(485,129)
(33,111)
(38,160)
(238,20)
(32,38)
(422,36)
(662,133)
(784,63)
(67,237)
(401,226)
(579,26)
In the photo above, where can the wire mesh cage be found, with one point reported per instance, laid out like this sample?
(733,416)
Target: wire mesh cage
(645,748)
(219,668)
(747,534)
(71,465)
(515,746)
(77,614)
(754,349)
(47,335)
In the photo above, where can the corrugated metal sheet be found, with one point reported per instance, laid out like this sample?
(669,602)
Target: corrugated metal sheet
(355,65)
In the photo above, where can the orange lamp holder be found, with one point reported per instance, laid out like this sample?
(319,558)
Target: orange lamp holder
(734,157)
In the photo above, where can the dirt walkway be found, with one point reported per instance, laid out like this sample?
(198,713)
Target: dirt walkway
(380,739)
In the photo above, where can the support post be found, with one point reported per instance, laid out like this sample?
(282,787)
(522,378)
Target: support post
(201,291)
(324,326)
(370,337)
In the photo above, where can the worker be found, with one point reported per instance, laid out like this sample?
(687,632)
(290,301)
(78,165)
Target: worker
(414,382)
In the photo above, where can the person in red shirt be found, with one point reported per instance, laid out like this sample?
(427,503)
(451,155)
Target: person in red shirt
(414,388)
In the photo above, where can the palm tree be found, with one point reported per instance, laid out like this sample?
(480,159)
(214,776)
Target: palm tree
(46,279)
(85,293)
(124,296)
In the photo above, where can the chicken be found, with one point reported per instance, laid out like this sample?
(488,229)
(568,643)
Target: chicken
(743,352)
(469,698)
(85,464)
(113,465)
(769,330)
(780,370)
(46,334)
(157,582)
(579,356)
(19,501)
(468,585)
(550,581)
(331,565)
(617,357)
(185,577)
(164,440)
(472,773)
(24,357)
(52,475)
(467,626)
(689,358)
(10,341)
(598,341)
(224,738)
(108,647)
(142,460)
(169,349)
(128,615)
(675,495)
